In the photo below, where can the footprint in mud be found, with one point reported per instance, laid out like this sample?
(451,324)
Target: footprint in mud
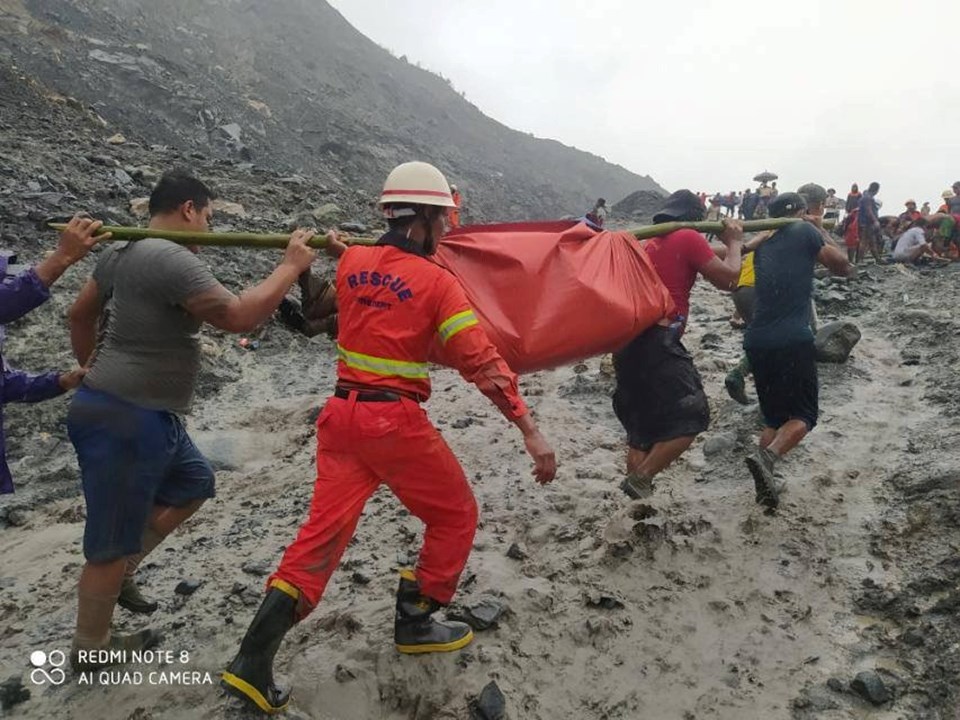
(636,525)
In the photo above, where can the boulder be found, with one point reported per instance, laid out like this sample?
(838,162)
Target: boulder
(140,207)
(871,688)
(490,705)
(835,341)
(231,131)
(719,443)
(229,208)
(327,215)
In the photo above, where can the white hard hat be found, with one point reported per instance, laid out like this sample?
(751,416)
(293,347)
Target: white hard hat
(416,183)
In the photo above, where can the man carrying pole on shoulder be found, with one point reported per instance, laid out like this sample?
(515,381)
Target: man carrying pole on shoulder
(394,305)
(142,476)
(779,341)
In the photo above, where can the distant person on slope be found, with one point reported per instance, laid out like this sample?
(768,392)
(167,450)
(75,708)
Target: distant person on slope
(868,219)
(779,341)
(853,199)
(598,215)
(395,303)
(454,212)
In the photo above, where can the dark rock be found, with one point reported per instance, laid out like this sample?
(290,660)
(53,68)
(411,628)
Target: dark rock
(257,568)
(121,177)
(604,600)
(568,533)
(344,674)
(353,227)
(871,688)
(719,443)
(461,423)
(913,637)
(490,705)
(711,341)
(835,341)
(358,578)
(17,517)
(187,587)
(515,552)
(836,684)
(12,692)
(482,614)
(910,357)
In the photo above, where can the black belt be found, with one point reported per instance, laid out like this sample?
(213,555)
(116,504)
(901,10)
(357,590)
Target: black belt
(367,395)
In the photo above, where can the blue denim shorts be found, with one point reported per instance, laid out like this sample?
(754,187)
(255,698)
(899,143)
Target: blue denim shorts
(131,459)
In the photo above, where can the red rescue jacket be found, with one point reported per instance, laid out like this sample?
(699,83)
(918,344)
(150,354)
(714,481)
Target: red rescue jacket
(394,304)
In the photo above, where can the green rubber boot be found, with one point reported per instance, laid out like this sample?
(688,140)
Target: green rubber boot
(133,600)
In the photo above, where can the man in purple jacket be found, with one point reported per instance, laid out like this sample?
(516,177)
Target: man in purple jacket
(21,293)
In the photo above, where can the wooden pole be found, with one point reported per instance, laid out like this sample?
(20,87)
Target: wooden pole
(261,240)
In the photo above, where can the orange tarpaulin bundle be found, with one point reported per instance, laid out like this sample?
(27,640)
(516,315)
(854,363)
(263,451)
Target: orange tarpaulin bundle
(549,294)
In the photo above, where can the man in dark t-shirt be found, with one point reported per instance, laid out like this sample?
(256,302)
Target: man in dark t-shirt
(779,341)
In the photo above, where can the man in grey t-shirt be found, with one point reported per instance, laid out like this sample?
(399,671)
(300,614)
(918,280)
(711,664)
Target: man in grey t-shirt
(142,476)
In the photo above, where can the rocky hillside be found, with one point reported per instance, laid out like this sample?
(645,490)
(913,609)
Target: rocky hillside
(291,86)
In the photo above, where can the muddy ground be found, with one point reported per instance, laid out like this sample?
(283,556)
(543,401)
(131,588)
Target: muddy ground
(695,604)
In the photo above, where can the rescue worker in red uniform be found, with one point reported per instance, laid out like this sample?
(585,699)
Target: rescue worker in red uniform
(394,304)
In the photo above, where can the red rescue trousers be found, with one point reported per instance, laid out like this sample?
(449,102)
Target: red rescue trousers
(360,445)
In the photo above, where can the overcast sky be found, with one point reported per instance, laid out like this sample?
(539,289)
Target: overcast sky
(704,94)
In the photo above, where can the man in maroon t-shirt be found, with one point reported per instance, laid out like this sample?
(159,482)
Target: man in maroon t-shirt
(659,398)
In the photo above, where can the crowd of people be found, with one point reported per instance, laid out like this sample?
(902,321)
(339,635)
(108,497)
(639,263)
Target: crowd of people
(915,235)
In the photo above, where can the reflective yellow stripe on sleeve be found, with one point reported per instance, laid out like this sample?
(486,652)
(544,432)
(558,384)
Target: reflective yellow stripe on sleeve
(455,323)
(382,366)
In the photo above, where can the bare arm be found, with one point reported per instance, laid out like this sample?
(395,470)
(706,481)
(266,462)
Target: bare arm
(222,309)
(835,261)
(75,242)
(724,274)
(83,318)
(757,240)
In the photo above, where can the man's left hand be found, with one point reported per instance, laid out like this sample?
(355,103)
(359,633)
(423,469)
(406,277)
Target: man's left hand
(71,380)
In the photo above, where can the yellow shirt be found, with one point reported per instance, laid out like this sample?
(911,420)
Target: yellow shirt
(747,276)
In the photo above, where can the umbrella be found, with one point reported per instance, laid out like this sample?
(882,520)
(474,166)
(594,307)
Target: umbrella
(765,176)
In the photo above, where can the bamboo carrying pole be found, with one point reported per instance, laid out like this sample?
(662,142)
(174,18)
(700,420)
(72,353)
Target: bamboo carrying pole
(261,241)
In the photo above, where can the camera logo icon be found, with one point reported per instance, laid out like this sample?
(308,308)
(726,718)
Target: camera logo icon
(40,675)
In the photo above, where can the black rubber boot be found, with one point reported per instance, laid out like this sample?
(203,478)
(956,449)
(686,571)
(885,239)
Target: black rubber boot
(133,600)
(415,631)
(250,675)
